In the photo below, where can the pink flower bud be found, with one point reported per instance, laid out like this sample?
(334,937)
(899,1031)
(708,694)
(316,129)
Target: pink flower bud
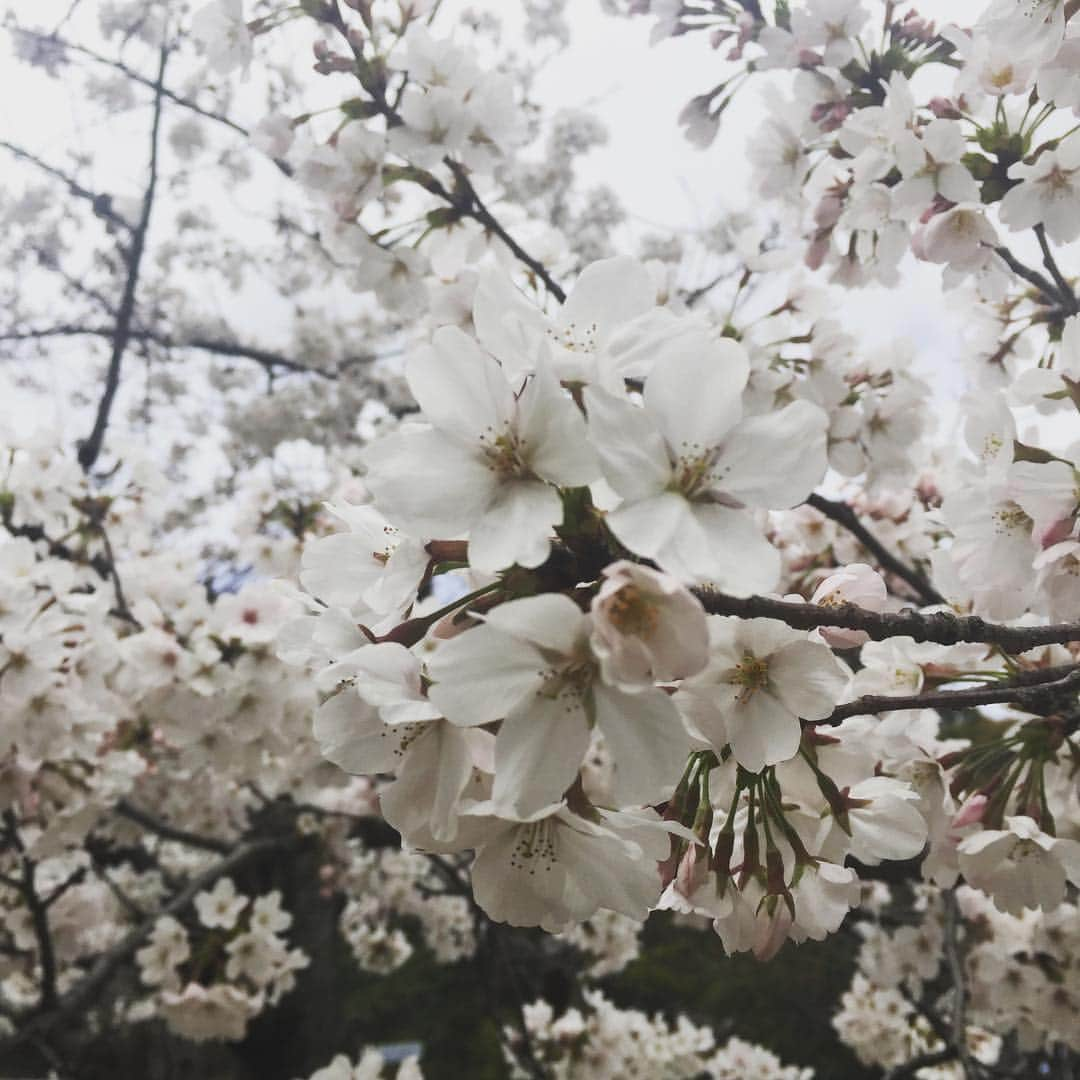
(971,813)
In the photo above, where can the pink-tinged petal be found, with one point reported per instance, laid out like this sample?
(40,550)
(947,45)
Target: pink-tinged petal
(433,775)
(704,709)
(337,568)
(763,732)
(388,675)
(774,460)
(632,453)
(538,752)
(516,528)
(647,741)
(482,674)
(635,349)
(695,395)
(604,873)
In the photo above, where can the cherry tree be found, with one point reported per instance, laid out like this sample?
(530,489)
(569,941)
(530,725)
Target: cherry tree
(512,576)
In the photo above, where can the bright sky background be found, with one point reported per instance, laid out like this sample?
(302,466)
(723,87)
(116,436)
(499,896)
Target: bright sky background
(635,88)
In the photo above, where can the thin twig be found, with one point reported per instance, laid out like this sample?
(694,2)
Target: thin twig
(39,915)
(1022,690)
(845,516)
(136,76)
(122,608)
(271,361)
(1068,297)
(923,1061)
(101,204)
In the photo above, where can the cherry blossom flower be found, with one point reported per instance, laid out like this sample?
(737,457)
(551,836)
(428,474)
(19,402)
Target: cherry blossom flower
(530,665)
(221,906)
(487,462)
(220,29)
(646,628)
(558,868)
(1020,866)
(762,678)
(1048,193)
(609,328)
(686,467)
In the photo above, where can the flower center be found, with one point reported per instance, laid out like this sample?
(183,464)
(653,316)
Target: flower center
(752,674)
(1010,518)
(631,612)
(504,453)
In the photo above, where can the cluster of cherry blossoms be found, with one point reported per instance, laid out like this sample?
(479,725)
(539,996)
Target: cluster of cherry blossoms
(371,1065)
(604,1042)
(209,989)
(620,593)
(151,742)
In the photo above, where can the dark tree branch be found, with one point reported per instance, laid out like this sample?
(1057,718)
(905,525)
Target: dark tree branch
(39,915)
(1028,688)
(845,516)
(101,204)
(270,361)
(90,449)
(170,832)
(942,628)
(923,1061)
(470,203)
(56,548)
(1033,277)
(1068,297)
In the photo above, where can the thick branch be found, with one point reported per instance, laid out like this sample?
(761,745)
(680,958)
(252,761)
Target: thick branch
(170,832)
(846,517)
(1028,688)
(942,628)
(91,448)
